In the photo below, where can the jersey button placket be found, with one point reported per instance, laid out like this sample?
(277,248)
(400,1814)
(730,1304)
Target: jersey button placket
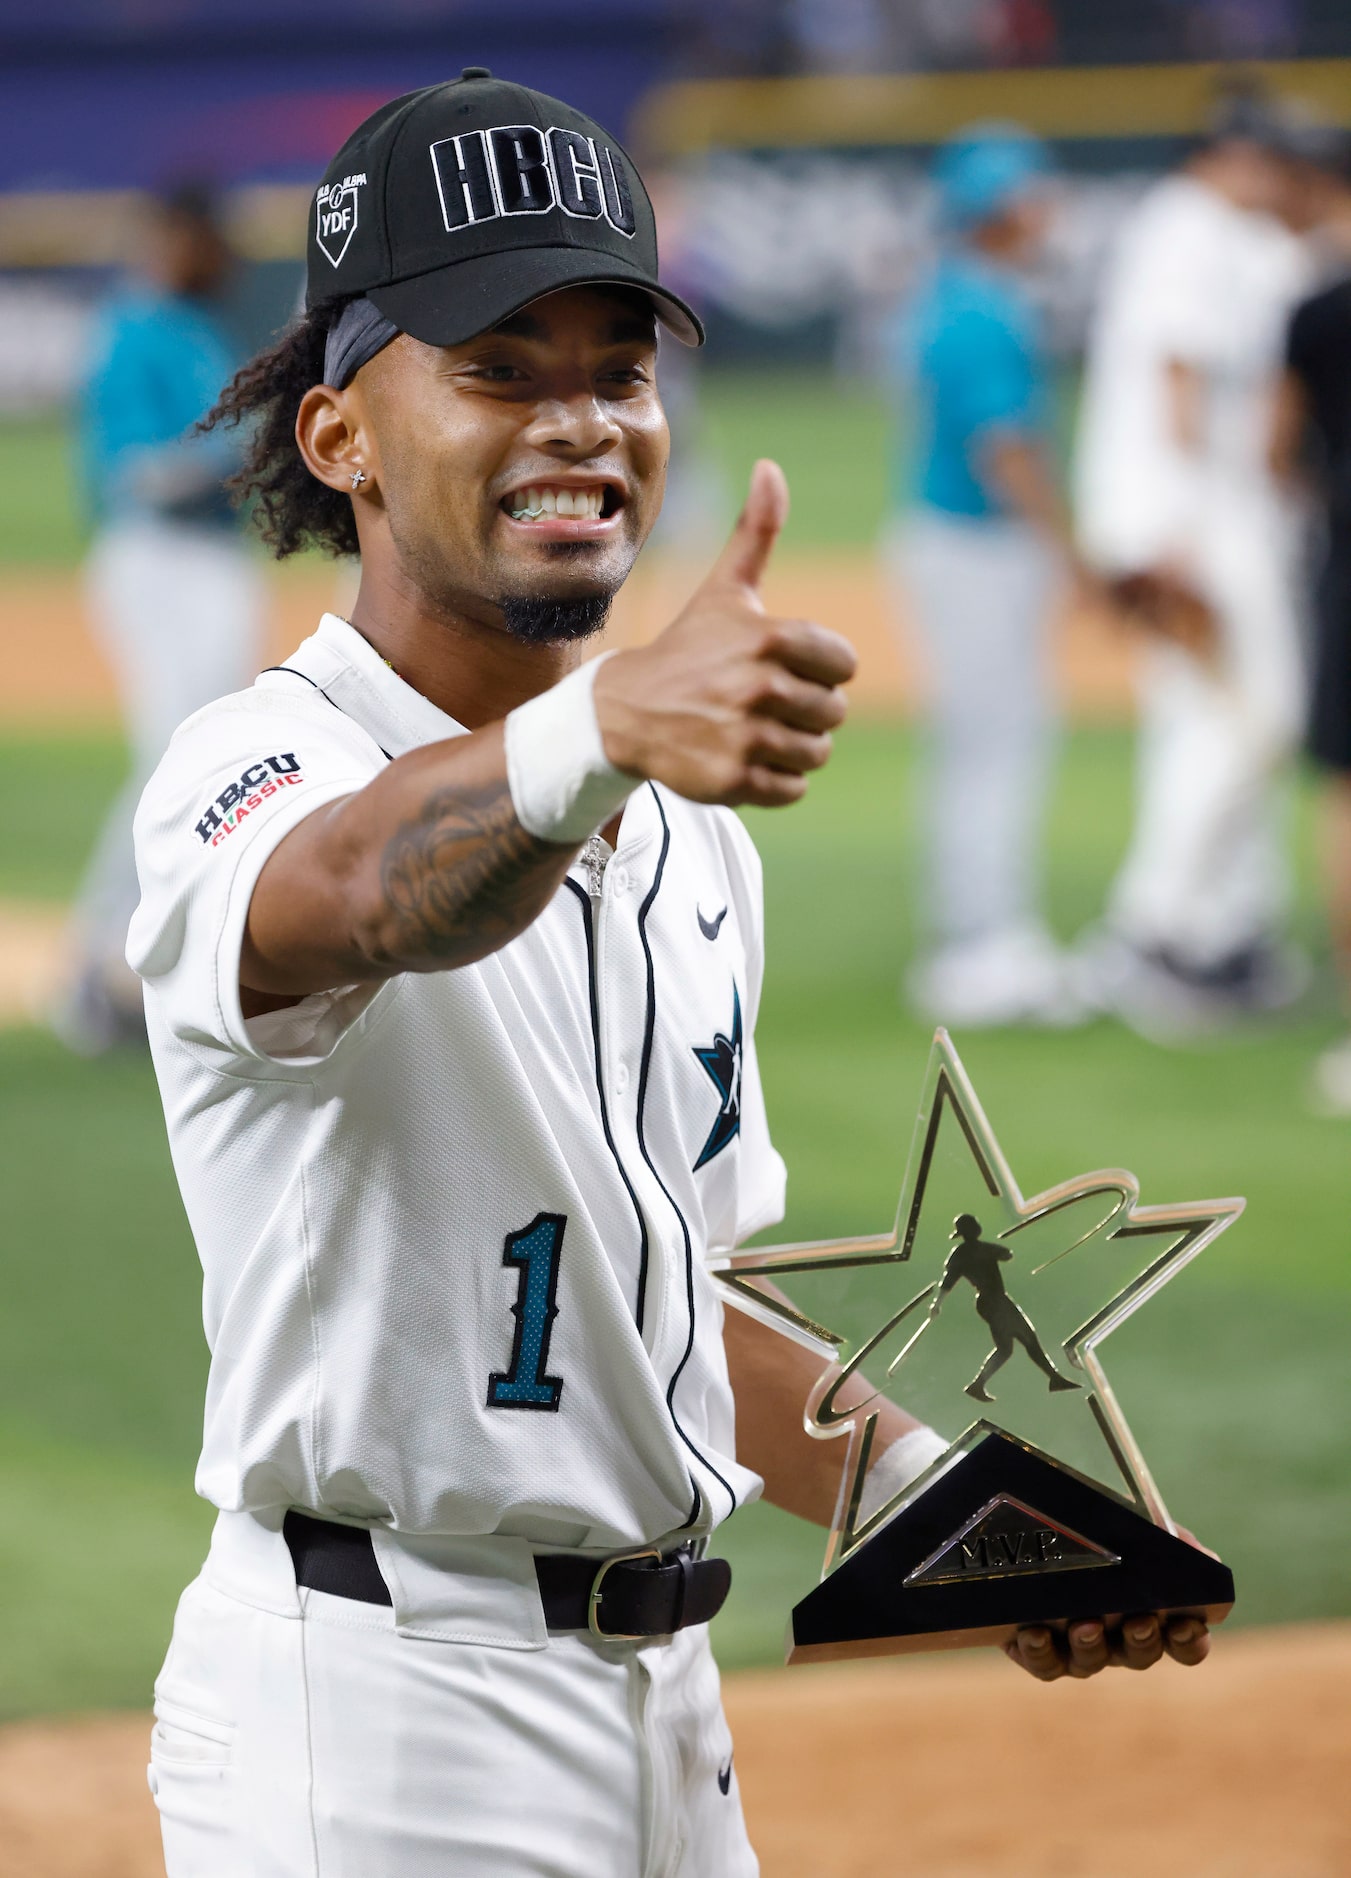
(620,970)
(613,935)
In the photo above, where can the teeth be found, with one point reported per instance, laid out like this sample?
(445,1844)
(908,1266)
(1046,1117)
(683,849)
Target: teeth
(529,504)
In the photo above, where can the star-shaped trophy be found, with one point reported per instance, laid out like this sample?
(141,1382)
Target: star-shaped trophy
(982,1314)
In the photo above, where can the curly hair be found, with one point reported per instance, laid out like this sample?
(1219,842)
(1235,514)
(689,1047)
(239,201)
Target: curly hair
(293,509)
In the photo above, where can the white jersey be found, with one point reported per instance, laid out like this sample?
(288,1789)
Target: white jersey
(1195,279)
(453,1227)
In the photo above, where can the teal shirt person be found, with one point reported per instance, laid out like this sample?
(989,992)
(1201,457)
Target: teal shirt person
(970,355)
(967,355)
(159,361)
(974,571)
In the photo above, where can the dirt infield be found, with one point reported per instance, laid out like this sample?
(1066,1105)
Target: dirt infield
(32,949)
(54,673)
(940,1769)
(966,1770)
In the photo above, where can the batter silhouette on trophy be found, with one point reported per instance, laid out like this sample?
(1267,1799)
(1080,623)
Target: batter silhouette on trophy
(978,1261)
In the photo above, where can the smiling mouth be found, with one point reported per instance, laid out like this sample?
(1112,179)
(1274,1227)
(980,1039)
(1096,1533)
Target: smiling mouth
(563,501)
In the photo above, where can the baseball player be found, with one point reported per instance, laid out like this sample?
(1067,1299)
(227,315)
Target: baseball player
(977,561)
(175,594)
(1311,450)
(452,953)
(1172,480)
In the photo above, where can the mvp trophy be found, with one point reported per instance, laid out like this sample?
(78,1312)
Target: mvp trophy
(982,1314)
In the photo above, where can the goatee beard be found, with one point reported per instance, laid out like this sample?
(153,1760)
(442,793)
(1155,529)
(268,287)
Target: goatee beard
(540,622)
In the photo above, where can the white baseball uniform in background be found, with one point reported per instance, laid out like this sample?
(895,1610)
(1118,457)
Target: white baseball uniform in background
(1195,279)
(453,1232)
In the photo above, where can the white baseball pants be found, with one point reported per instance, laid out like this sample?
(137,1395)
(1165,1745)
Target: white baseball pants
(1205,874)
(980,594)
(319,1742)
(178,613)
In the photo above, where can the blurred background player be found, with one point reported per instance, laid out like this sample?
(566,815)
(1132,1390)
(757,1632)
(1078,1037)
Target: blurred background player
(1312,444)
(1173,485)
(976,565)
(173,592)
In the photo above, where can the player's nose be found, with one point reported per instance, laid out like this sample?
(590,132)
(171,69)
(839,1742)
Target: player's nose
(581,425)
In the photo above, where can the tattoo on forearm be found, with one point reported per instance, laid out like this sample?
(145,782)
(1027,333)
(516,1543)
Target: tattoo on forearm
(464,871)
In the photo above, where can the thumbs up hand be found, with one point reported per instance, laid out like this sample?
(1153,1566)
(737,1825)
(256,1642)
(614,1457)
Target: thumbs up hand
(730,704)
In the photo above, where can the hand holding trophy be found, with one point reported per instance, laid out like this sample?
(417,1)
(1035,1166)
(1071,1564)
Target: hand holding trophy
(1034,1522)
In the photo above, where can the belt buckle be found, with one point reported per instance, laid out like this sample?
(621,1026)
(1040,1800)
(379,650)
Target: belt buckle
(598,1591)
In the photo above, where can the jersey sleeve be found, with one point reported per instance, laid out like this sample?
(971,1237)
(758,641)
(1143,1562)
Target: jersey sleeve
(763,1178)
(236,779)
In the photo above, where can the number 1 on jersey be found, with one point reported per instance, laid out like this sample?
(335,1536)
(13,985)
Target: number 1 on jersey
(534,1251)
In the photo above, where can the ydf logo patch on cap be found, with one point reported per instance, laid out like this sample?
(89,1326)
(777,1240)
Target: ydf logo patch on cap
(516,169)
(335,211)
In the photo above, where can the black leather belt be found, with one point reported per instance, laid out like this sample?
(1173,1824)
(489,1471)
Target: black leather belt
(645,1594)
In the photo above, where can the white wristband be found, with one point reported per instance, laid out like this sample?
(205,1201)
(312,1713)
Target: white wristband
(905,1460)
(563,786)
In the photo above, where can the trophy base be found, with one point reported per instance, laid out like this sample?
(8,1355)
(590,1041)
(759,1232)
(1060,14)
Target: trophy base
(1005,1537)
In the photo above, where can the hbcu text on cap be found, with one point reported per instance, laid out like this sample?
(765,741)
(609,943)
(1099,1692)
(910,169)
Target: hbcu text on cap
(516,169)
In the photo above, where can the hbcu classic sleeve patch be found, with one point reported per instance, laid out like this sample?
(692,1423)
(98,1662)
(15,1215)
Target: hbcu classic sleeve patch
(236,779)
(245,795)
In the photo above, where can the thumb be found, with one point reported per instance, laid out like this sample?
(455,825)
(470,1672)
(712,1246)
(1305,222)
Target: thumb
(743,561)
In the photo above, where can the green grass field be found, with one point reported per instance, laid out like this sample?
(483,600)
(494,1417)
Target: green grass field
(1235,1379)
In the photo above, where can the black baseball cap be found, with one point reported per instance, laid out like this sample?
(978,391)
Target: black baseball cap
(452,207)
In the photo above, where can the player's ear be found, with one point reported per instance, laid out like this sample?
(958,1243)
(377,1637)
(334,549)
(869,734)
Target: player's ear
(332,438)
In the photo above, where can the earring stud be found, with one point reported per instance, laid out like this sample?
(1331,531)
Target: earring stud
(358,477)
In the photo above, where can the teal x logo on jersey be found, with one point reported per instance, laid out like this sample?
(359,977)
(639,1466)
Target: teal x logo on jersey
(722,1060)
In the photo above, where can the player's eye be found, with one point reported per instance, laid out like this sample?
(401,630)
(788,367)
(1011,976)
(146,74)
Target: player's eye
(626,375)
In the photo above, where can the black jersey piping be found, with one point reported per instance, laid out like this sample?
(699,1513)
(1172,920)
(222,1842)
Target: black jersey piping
(323,694)
(583,900)
(648,1032)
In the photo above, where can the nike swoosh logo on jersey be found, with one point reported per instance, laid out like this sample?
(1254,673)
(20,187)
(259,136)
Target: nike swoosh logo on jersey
(710,928)
(725,1778)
